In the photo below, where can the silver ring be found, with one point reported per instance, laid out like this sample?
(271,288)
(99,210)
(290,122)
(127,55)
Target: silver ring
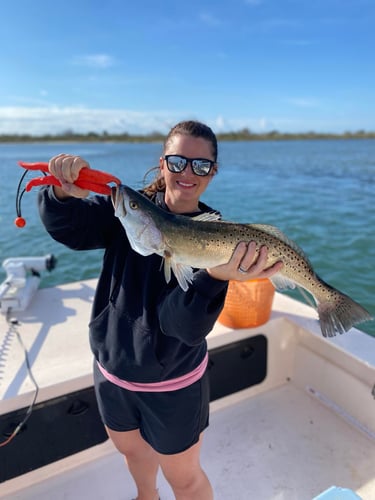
(243,271)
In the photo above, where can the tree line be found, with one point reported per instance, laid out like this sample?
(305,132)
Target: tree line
(241,135)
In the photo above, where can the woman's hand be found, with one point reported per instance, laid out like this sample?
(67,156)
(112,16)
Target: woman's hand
(245,264)
(66,169)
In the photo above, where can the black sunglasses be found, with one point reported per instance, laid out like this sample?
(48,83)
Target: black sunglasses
(178,163)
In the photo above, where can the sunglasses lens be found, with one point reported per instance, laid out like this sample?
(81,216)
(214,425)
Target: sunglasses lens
(176,163)
(201,167)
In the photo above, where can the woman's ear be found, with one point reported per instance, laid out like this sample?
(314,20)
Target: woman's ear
(161,163)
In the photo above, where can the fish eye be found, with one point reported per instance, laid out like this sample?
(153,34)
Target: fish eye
(133,205)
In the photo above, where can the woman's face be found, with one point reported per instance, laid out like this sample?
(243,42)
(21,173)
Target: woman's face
(184,189)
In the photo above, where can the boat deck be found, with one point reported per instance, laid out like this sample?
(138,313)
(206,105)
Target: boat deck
(279,445)
(308,425)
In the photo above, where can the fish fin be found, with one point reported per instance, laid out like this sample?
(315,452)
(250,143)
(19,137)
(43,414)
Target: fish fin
(207,216)
(281,282)
(167,269)
(275,231)
(183,273)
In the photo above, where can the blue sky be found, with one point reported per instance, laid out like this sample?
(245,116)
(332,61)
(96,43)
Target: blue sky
(140,66)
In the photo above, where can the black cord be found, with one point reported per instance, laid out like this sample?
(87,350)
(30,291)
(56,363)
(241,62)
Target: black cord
(19,193)
(13,323)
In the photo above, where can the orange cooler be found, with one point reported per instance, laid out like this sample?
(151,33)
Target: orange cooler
(247,304)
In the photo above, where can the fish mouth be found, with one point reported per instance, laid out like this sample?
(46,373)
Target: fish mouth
(116,197)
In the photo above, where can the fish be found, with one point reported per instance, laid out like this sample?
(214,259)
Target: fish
(201,242)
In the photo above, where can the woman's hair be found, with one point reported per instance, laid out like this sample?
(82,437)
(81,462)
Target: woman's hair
(191,128)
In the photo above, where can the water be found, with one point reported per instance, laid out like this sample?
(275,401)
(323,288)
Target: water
(320,193)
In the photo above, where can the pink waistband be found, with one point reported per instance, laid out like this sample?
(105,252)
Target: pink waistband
(166,385)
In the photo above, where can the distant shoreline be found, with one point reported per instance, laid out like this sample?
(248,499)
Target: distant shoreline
(241,135)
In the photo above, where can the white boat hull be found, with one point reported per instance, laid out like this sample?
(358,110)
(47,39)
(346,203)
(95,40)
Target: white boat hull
(308,425)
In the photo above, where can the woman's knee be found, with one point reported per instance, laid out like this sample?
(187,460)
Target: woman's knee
(186,483)
(193,484)
(130,443)
(183,470)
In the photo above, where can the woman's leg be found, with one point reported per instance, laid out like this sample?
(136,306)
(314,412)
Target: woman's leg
(184,473)
(142,461)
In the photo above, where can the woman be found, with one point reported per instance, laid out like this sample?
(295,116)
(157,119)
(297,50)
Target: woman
(149,337)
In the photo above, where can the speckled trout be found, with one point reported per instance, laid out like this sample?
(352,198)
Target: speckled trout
(204,241)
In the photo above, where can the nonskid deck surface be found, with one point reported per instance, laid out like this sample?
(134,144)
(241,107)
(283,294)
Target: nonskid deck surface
(279,445)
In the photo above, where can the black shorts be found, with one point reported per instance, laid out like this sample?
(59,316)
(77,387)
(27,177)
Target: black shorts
(170,422)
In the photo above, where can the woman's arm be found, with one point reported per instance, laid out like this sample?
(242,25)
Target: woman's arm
(80,224)
(70,217)
(191,315)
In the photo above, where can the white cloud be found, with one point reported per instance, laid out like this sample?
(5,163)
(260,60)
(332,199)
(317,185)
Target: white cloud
(219,124)
(209,19)
(264,124)
(100,61)
(230,124)
(57,119)
(277,24)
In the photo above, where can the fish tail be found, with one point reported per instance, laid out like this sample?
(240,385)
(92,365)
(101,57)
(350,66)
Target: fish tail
(340,314)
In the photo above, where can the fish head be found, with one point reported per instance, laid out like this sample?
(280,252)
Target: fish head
(136,214)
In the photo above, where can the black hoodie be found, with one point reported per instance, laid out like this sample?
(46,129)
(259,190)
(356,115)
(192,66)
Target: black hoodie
(142,329)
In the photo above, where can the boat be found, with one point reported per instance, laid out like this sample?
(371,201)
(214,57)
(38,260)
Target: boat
(292,413)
